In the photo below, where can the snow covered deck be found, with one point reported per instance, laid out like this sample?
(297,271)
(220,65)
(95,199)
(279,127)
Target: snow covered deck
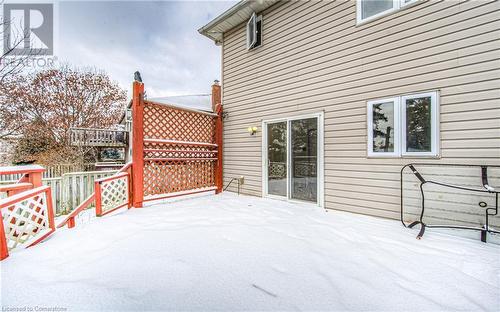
(227,252)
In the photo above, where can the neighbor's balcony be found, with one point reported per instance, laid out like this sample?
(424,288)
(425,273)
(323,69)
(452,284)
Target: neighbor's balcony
(98,137)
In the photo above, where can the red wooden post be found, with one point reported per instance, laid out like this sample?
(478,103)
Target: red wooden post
(138,144)
(98,202)
(217,108)
(71,223)
(35,178)
(50,209)
(130,186)
(4,249)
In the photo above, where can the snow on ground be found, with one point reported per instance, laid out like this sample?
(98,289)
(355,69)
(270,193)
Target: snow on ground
(227,252)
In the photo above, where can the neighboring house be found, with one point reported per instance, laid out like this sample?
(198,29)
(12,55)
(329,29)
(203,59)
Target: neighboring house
(344,93)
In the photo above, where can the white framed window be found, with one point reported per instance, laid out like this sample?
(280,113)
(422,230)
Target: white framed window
(367,10)
(419,114)
(404,126)
(383,128)
(254,31)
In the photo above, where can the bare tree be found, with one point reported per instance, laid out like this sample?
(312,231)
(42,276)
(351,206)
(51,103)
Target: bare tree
(40,108)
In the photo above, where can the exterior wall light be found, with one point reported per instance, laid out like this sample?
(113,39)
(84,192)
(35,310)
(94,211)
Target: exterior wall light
(252,130)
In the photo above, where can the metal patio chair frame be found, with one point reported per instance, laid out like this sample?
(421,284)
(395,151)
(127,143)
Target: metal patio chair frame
(486,188)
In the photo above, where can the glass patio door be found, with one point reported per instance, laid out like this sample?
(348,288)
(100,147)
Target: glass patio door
(304,159)
(292,159)
(277,168)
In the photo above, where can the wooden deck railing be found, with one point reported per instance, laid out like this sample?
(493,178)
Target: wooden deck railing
(98,137)
(27,219)
(26,214)
(116,195)
(182,149)
(68,190)
(52,171)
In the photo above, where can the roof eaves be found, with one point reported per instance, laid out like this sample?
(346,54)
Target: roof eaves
(206,30)
(233,17)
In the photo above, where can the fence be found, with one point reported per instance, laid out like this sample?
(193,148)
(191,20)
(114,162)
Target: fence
(69,190)
(53,171)
(176,151)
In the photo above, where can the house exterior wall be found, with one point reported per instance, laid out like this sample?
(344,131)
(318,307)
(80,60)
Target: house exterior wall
(314,58)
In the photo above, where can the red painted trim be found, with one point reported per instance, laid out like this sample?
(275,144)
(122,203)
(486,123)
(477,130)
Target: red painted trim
(159,150)
(178,108)
(98,200)
(70,219)
(9,201)
(113,177)
(35,178)
(50,209)
(21,169)
(180,194)
(116,208)
(217,108)
(219,178)
(98,190)
(127,167)
(50,216)
(4,249)
(180,159)
(23,179)
(41,239)
(173,142)
(138,144)
(15,187)
(71,223)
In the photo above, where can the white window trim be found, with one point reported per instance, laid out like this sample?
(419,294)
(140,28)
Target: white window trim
(320,165)
(434,125)
(252,41)
(396,6)
(397,151)
(400,127)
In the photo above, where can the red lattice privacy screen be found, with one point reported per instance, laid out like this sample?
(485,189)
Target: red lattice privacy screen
(185,158)
(178,149)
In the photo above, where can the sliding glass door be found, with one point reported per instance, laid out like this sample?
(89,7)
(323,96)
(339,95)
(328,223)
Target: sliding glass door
(277,159)
(292,159)
(304,159)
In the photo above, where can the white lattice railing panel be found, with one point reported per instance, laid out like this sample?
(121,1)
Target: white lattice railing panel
(112,193)
(277,170)
(27,217)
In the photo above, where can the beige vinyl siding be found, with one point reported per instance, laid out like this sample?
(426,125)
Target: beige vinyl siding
(315,58)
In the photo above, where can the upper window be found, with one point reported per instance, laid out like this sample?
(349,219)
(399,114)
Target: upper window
(403,126)
(370,9)
(254,31)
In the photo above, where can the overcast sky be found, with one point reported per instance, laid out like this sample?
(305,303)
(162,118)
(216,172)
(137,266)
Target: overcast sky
(160,39)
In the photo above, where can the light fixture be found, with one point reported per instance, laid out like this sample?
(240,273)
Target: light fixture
(252,130)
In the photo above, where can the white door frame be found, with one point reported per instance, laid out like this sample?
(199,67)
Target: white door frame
(320,161)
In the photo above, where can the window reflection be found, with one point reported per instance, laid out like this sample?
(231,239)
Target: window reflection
(304,134)
(418,124)
(383,127)
(276,167)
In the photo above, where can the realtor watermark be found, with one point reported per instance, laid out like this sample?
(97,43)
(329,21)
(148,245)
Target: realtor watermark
(36,21)
(28,34)
(34,309)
